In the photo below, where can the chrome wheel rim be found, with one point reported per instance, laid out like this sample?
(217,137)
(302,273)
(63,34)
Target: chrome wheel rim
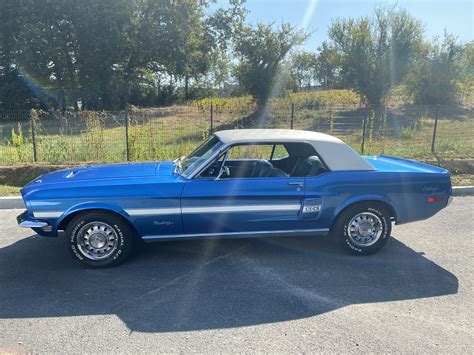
(97,240)
(365,229)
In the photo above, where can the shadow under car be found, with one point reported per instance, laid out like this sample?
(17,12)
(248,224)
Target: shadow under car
(210,284)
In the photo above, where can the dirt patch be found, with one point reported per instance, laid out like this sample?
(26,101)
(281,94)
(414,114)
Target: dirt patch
(19,175)
(455,166)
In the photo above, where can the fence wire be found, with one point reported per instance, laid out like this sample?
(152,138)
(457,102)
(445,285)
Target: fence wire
(167,133)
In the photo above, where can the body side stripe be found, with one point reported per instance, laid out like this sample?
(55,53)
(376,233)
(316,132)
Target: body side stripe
(153,211)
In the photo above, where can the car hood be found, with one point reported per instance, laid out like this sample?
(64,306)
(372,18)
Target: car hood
(108,171)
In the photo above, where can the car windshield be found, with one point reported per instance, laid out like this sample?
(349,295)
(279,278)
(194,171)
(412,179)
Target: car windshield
(187,165)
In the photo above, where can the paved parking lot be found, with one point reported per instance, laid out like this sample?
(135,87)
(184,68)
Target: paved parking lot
(274,294)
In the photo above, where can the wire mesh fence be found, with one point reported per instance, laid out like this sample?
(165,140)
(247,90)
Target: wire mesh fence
(167,133)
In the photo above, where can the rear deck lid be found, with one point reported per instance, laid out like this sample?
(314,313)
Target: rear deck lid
(393,164)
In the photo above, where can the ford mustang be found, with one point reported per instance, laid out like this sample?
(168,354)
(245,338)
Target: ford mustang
(238,183)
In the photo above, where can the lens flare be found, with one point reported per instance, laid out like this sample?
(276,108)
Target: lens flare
(281,77)
(40,92)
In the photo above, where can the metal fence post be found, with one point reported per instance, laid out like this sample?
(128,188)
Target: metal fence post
(211,125)
(433,141)
(364,125)
(33,135)
(127,148)
(292,115)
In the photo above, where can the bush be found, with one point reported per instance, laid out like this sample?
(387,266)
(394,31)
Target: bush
(407,133)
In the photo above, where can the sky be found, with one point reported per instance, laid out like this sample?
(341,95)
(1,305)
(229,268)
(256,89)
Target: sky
(455,16)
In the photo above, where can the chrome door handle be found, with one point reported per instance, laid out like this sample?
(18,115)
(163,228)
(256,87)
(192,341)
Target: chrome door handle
(297,183)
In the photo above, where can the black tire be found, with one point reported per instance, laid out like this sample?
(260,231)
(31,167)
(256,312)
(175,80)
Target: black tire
(120,234)
(348,236)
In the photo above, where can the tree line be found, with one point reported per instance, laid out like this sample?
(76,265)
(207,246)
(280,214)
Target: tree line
(112,53)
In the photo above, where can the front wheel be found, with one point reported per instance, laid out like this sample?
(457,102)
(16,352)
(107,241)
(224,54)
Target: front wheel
(98,239)
(363,228)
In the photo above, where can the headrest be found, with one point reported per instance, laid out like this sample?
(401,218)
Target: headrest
(313,159)
(315,163)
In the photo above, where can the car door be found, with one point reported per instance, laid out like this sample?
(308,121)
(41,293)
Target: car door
(239,204)
(242,205)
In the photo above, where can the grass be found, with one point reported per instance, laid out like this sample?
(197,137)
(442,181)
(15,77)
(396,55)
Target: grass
(454,141)
(150,137)
(6,190)
(167,133)
(462,180)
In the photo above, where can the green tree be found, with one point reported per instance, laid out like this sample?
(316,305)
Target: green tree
(327,66)
(48,46)
(375,53)
(303,69)
(435,78)
(105,51)
(104,35)
(224,25)
(261,50)
(14,91)
(175,39)
(467,67)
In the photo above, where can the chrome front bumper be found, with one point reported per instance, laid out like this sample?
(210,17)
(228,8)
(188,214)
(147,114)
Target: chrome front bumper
(24,222)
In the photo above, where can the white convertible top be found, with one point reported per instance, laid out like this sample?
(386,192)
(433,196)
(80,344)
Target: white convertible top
(336,154)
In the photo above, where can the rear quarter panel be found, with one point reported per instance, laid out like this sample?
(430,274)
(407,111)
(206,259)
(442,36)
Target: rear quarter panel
(406,192)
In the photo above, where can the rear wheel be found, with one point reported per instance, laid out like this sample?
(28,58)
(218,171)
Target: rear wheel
(98,239)
(363,228)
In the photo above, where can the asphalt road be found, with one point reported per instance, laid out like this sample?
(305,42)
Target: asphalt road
(286,294)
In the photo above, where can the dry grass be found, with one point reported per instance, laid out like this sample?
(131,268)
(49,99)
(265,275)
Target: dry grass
(462,180)
(166,133)
(6,190)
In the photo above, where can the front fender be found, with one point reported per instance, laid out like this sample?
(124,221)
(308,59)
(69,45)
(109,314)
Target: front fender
(92,206)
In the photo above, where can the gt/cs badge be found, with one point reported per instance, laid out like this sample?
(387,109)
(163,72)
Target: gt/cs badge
(311,209)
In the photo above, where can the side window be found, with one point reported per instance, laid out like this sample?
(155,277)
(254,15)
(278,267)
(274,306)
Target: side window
(254,161)
(304,160)
(250,151)
(279,152)
(292,159)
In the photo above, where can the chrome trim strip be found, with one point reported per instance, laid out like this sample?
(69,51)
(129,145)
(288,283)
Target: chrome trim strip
(153,211)
(241,208)
(236,234)
(187,210)
(210,209)
(47,214)
(33,224)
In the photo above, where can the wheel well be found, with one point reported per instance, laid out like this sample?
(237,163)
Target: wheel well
(385,205)
(63,224)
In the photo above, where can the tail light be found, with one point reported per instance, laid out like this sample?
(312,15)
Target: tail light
(435,199)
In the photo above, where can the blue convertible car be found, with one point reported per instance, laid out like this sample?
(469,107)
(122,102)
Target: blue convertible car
(238,183)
